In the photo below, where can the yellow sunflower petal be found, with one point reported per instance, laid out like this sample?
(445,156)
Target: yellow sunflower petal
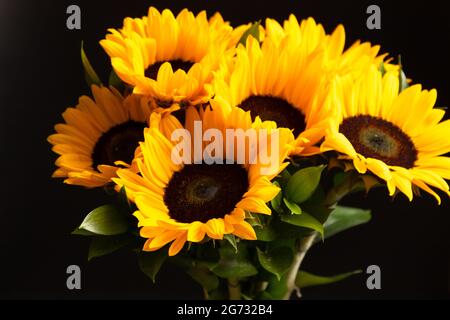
(160,40)
(215,228)
(253,204)
(426,188)
(177,245)
(84,157)
(162,239)
(244,231)
(196,232)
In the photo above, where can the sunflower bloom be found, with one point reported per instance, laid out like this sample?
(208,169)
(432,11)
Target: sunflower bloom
(278,82)
(354,61)
(170,58)
(96,134)
(187,202)
(397,136)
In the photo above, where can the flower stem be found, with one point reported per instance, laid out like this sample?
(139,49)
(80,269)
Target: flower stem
(350,184)
(234,289)
(303,247)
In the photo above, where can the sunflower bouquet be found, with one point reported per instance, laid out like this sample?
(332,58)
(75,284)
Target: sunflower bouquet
(226,150)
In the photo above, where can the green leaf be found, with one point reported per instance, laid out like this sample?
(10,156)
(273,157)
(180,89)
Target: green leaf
(286,243)
(305,279)
(293,207)
(106,220)
(103,245)
(316,205)
(151,262)
(266,233)
(276,261)
(317,210)
(231,240)
(207,255)
(339,178)
(304,220)
(276,289)
(115,81)
(89,72)
(253,31)
(343,218)
(234,265)
(276,202)
(317,198)
(303,184)
(204,277)
(284,177)
(81,232)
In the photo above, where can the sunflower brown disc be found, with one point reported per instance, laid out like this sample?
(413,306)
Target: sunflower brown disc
(152,71)
(379,139)
(275,109)
(118,143)
(200,192)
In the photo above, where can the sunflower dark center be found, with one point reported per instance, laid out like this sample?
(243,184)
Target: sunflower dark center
(275,109)
(152,71)
(380,139)
(200,192)
(118,143)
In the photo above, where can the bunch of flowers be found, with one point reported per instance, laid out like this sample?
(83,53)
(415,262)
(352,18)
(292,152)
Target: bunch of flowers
(228,149)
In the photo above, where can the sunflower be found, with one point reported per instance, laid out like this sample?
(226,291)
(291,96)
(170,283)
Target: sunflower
(397,136)
(355,61)
(179,202)
(98,133)
(281,82)
(170,58)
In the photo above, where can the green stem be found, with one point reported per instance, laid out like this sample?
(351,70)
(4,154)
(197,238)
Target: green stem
(351,183)
(234,289)
(303,247)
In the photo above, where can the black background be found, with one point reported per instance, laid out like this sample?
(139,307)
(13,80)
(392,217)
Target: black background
(41,75)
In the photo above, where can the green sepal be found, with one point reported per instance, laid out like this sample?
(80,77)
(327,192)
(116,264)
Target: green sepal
(253,31)
(89,72)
